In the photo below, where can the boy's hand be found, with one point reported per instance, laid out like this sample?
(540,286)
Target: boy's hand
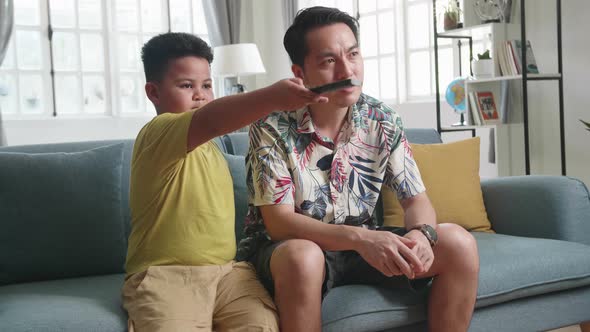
(290,94)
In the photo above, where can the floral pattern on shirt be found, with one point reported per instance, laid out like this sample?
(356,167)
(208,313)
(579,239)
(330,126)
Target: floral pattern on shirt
(289,162)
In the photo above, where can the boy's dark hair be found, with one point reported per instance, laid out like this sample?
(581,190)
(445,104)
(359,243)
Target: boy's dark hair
(311,18)
(161,49)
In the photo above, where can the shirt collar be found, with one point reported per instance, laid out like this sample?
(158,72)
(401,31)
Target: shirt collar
(305,123)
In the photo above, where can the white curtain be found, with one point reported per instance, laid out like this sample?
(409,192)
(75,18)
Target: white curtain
(6,23)
(289,12)
(223,24)
(223,21)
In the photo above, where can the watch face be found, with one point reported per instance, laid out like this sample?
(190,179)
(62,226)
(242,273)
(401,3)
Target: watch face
(431,232)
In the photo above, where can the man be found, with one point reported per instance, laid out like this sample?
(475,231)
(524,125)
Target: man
(328,163)
(180,270)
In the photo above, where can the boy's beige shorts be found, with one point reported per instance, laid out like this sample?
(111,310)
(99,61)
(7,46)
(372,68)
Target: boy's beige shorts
(198,298)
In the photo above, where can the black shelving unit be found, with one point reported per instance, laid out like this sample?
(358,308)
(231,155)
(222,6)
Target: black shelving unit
(525,80)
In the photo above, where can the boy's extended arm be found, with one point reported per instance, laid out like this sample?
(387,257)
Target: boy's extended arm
(230,113)
(385,251)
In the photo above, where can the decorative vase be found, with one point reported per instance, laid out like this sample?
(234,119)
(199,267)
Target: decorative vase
(450,20)
(482,68)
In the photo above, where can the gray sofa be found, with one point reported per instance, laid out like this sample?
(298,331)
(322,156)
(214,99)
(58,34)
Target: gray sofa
(62,255)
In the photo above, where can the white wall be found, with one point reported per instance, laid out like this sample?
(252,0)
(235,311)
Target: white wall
(262,24)
(20,132)
(576,50)
(544,106)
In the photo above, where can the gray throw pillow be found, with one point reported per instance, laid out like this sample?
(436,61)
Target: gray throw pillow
(61,214)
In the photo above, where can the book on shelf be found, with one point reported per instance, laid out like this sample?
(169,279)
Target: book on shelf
(476,119)
(514,69)
(487,107)
(510,58)
(508,66)
(504,101)
(531,62)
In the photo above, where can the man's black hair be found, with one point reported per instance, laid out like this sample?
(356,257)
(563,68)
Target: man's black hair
(311,18)
(157,53)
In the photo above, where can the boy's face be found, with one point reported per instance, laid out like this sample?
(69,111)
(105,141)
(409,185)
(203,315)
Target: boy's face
(333,55)
(186,85)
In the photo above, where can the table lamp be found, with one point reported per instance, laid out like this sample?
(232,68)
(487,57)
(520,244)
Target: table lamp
(236,60)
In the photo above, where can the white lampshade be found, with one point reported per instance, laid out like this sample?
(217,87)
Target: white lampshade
(236,60)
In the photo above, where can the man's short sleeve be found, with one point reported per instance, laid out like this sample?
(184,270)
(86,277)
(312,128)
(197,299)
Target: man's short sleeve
(402,174)
(269,179)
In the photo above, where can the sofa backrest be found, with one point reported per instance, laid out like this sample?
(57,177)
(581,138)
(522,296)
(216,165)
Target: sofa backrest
(237,143)
(84,146)
(234,146)
(76,197)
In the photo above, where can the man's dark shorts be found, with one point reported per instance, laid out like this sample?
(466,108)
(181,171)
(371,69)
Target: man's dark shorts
(342,268)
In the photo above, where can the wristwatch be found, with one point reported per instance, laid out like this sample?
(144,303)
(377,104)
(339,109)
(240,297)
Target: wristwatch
(429,232)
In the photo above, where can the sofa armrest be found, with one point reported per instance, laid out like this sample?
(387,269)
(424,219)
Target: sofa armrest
(555,207)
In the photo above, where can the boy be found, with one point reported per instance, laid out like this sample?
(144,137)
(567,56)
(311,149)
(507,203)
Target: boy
(315,176)
(180,270)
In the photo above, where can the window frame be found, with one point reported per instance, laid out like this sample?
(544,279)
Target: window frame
(43,71)
(402,51)
(111,71)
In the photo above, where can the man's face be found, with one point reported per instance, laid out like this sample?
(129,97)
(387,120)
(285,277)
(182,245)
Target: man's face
(186,85)
(333,55)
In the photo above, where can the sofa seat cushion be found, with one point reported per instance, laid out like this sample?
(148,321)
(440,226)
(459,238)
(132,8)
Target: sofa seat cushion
(79,304)
(510,268)
(514,267)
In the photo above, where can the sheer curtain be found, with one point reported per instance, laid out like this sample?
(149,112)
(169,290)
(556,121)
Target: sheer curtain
(6,22)
(223,21)
(289,12)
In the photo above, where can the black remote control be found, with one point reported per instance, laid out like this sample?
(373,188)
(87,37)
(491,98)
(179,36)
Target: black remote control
(336,85)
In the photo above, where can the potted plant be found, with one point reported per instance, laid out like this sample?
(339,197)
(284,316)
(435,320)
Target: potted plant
(483,66)
(587,124)
(451,16)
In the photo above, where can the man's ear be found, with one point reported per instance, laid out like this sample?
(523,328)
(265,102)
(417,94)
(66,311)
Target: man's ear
(297,71)
(151,91)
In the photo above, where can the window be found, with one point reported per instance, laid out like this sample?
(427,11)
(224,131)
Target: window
(344,5)
(134,23)
(78,54)
(25,88)
(189,16)
(397,45)
(93,48)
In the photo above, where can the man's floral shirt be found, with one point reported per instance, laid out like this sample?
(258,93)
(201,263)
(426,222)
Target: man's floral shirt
(289,162)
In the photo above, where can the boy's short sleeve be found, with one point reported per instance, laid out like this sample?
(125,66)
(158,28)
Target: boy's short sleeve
(164,139)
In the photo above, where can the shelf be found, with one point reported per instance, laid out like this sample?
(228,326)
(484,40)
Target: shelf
(466,128)
(537,77)
(469,31)
(496,33)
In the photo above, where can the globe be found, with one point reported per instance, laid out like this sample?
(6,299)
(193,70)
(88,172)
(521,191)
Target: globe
(455,95)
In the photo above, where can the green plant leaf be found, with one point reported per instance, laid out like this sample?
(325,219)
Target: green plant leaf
(587,124)
(484,55)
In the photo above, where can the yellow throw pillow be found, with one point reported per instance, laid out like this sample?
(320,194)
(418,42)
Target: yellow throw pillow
(450,172)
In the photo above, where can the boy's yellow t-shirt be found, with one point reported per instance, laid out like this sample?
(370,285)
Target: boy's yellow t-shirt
(182,204)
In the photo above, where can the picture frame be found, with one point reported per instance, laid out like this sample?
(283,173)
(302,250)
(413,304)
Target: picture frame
(486,106)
